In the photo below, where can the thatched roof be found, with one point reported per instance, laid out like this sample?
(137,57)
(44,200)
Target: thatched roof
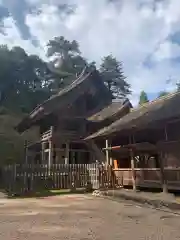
(65,97)
(110,111)
(160,109)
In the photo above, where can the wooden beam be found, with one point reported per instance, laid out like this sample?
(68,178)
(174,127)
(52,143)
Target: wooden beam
(112,148)
(73,150)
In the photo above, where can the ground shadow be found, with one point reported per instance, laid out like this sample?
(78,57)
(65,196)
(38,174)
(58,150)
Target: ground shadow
(48,193)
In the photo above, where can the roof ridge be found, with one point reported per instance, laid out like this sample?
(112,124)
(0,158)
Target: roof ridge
(82,75)
(168,96)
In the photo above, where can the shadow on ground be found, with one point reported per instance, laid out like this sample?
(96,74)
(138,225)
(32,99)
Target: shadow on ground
(48,193)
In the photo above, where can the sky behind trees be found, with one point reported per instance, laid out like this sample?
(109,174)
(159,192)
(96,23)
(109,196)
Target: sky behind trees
(143,34)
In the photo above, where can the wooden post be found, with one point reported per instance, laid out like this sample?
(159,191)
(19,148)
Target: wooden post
(107,153)
(110,157)
(26,152)
(50,153)
(50,158)
(43,152)
(163,178)
(67,153)
(133,170)
(165,132)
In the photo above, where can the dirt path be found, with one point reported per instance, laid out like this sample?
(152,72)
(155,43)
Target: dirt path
(79,217)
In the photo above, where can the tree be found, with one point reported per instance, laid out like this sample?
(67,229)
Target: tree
(22,79)
(62,47)
(67,62)
(143,98)
(112,73)
(178,86)
(162,94)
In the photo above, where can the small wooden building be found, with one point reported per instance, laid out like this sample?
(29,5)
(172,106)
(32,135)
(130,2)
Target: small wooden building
(68,117)
(144,144)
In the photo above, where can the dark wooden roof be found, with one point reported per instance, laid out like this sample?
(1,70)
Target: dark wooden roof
(110,111)
(65,97)
(161,109)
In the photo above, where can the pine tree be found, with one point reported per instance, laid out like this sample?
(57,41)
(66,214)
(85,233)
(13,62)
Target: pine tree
(112,73)
(143,98)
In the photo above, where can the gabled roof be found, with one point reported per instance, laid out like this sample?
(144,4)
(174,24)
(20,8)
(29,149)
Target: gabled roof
(65,96)
(110,111)
(160,109)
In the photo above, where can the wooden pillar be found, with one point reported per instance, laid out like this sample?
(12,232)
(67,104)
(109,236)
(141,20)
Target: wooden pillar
(26,152)
(133,170)
(43,152)
(50,140)
(110,157)
(163,177)
(67,153)
(107,153)
(165,133)
(50,153)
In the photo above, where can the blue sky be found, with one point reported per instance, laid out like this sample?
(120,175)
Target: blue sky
(144,34)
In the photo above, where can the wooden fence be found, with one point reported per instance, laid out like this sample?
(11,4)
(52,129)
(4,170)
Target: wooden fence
(21,179)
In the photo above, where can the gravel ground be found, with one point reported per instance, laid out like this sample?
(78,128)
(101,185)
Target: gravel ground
(84,217)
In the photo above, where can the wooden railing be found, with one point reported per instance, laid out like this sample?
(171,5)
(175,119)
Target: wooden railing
(148,177)
(123,176)
(62,133)
(46,135)
(172,176)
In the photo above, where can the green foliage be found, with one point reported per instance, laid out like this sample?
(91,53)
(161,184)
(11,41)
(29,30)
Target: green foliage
(11,143)
(67,63)
(21,78)
(162,94)
(178,86)
(143,98)
(112,73)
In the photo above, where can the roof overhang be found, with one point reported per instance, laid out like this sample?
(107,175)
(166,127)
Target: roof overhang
(145,116)
(64,98)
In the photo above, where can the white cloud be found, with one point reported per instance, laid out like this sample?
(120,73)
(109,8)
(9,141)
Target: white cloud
(133,31)
(13,37)
(167,50)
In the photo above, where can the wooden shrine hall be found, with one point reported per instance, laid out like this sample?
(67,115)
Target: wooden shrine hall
(143,146)
(67,118)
